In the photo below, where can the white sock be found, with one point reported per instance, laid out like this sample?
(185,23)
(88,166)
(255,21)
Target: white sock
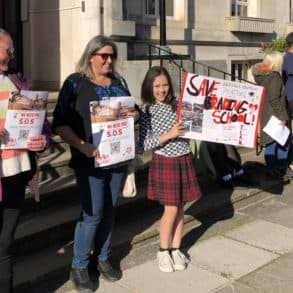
(240,172)
(227,177)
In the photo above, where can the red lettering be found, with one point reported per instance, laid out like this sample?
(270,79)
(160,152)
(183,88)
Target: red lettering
(26,121)
(202,88)
(114,132)
(213,88)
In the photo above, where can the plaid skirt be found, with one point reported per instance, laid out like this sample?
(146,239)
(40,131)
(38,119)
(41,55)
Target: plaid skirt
(172,180)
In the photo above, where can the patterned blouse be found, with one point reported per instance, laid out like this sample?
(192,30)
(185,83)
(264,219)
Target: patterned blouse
(158,121)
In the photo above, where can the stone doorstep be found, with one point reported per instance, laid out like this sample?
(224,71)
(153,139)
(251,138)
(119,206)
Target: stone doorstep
(45,225)
(43,221)
(58,210)
(57,257)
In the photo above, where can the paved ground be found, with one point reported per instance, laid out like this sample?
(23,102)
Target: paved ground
(245,248)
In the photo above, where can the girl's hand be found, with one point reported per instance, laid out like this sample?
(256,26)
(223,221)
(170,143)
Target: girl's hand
(3,132)
(177,130)
(88,149)
(37,143)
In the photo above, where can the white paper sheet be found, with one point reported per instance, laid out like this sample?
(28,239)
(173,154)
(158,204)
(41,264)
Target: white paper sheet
(276,130)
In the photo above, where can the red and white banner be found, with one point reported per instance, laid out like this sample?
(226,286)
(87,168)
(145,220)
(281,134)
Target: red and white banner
(113,133)
(220,110)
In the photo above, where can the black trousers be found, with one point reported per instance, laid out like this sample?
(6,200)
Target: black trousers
(13,191)
(225,157)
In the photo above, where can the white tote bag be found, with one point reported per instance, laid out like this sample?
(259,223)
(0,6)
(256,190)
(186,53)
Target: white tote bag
(129,189)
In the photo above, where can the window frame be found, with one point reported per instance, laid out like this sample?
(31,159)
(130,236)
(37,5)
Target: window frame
(156,8)
(237,6)
(146,8)
(239,69)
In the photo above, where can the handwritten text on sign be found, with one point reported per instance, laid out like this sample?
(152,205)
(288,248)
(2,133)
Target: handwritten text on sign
(220,110)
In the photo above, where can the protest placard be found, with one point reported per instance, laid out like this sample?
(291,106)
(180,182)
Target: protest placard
(220,110)
(113,133)
(24,117)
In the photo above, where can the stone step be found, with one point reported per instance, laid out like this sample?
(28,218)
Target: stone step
(52,99)
(54,161)
(46,229)
(58,192)
(44,237)
(53,219)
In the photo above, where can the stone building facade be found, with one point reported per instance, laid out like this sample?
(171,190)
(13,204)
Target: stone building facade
(225,34)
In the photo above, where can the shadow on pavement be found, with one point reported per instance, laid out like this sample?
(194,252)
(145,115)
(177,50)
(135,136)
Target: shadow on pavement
(216,203)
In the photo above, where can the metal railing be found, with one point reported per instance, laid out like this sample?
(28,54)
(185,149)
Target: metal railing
(184,64)
(181,62)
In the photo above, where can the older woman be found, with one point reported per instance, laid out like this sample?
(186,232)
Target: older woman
(95,79)
(267,74)
(15,171)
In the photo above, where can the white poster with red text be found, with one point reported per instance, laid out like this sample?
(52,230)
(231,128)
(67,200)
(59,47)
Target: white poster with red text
(220,110)
(24,117)
(113,132)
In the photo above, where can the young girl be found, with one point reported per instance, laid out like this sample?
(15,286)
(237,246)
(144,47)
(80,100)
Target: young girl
(172,178)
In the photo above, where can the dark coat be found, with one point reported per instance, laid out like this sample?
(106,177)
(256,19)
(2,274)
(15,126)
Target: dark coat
(274,102)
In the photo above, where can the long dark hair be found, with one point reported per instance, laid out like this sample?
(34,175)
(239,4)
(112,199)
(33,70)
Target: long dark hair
(147,96)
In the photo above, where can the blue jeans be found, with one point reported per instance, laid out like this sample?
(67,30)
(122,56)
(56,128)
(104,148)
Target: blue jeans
(276,156)
(99,190)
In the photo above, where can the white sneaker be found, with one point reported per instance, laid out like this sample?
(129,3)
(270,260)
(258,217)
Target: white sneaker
(179,259)
(165,261)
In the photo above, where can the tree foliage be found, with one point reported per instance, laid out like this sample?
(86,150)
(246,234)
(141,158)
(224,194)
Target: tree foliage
(278,44)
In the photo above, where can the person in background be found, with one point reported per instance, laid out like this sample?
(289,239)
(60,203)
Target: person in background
(95,79)
(16,170)
(267,74)
(227,163)
(287,72)
(172,178)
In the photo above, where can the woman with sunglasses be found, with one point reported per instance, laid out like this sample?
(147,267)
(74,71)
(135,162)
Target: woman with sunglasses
(95,79)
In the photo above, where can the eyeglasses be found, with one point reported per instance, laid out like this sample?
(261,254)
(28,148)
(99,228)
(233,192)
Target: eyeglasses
(105,56)
(9,51)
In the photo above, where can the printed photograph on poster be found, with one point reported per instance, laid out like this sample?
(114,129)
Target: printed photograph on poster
(111,109)
(24,118)
(220,110)
(28,100)
(113,132)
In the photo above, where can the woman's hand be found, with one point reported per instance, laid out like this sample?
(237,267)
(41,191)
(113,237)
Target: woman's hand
(3,132)
(88,149)
(37,143)
(283,123)
(132,113)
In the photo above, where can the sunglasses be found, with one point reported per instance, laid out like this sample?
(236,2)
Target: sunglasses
(105,56)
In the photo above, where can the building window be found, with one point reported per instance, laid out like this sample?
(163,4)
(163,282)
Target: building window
(239,70)
(150,7)
(239,7)
(170,8)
